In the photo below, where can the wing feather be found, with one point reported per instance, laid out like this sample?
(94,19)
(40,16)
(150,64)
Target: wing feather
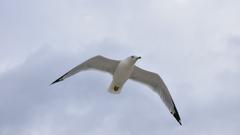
(156,83)
(98,62)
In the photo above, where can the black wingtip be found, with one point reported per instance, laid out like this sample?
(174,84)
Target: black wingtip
(58,80)
(177,117)
(54,82)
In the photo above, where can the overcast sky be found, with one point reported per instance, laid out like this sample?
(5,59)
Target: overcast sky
(193,44)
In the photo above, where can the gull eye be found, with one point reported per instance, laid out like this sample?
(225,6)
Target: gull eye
(132,57)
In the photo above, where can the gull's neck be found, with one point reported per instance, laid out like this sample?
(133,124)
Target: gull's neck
(129,62)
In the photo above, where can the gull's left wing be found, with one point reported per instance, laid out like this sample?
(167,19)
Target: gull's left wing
(156,83)
(98,62)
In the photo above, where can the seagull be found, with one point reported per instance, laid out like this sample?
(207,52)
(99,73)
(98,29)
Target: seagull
(125,69)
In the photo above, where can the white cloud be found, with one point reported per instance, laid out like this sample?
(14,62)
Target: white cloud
(194,45)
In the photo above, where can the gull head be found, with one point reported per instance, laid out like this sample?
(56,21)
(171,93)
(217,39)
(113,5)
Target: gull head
(133,59)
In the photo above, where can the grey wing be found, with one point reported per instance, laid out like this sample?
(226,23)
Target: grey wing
(156,83)
(98,62)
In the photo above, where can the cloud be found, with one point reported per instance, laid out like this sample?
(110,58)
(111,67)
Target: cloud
(30,106)
(193,45)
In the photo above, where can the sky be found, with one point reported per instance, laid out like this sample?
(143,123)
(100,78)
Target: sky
(193,44)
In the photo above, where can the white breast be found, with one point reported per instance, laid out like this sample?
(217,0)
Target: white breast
(122,72)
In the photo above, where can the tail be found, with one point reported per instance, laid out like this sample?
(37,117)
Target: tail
(114,88)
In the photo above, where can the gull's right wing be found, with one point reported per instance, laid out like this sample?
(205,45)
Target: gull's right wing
(98,62)
(156,83)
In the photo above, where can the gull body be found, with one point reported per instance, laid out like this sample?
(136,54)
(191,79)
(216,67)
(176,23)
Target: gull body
(122,70)
(122,74)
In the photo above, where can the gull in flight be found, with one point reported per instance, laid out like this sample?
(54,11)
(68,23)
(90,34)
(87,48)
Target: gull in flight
(122,70)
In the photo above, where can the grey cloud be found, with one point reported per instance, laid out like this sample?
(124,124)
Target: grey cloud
(193,45)
(76,106)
